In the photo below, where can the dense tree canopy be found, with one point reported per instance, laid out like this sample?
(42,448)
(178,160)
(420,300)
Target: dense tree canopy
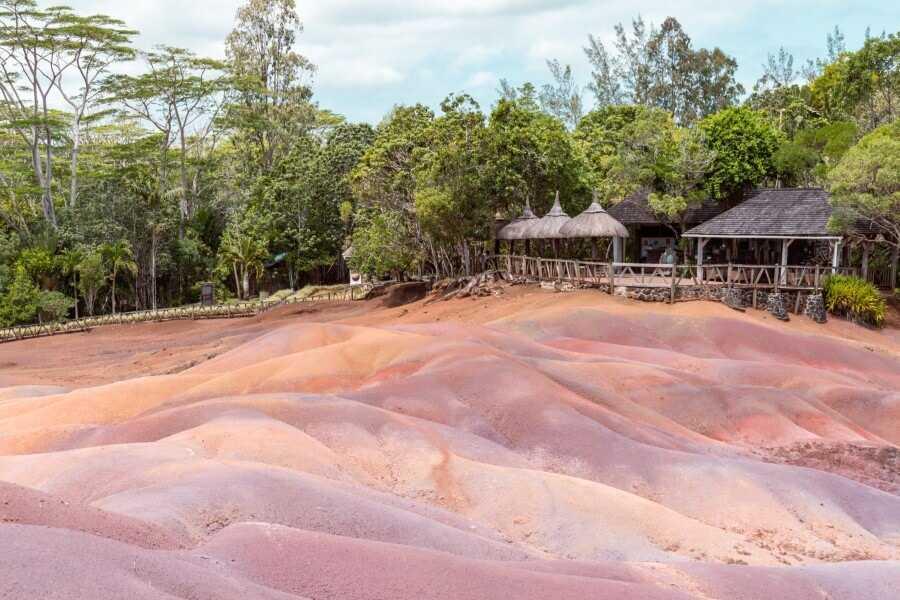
(125,188)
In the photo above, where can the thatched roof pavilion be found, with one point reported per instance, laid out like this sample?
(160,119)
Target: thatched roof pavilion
(518,229)
(548,227)
(594,222)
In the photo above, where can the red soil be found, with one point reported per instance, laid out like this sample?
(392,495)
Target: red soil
(534,445)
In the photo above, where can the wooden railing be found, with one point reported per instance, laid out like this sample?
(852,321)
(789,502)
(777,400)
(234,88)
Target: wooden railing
(194,312)
(792,277)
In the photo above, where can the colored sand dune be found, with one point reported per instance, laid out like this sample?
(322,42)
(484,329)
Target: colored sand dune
(532,447)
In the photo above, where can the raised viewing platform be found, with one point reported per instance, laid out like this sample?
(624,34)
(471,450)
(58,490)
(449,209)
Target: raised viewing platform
(641,275)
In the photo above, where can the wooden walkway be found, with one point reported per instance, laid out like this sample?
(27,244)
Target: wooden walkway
(640,275)
(182,313)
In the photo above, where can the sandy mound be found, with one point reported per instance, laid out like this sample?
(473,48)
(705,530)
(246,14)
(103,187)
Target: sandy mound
(537,445)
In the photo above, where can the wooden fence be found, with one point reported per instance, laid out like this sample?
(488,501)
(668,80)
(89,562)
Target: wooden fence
(763,277)
(196,312)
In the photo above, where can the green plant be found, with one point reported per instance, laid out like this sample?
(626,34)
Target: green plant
(21,303)
(855,299)
(54,306)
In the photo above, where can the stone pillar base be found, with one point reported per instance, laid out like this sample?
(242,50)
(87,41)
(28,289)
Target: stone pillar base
(775,305)
(815,308)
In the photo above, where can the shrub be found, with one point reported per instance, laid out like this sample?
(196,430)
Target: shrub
(54,306)
(855,299)
(20,303)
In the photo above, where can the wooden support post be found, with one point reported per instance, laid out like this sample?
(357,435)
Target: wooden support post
(797,304)
(865,261)
(785,245)
(895,258)
(836,257)
(816,281)
(701,245)
(618,249)
(612,279)
(754,296)
(674,282)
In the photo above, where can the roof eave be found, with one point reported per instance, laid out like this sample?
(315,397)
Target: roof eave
(763,237)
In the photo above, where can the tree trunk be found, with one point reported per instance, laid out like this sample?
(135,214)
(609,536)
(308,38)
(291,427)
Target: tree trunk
(73,176)
(246,280)
(113,292)
(153,269)
(75,291)
(237,281)
(895,258)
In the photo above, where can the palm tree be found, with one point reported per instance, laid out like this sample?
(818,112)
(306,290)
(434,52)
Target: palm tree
(246,255)
(118,257)
(68,262)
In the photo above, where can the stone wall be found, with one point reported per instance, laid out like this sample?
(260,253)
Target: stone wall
(780,304)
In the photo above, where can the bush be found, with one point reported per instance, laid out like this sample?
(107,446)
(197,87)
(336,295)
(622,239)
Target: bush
(54,306)
(21,302)
(855,299)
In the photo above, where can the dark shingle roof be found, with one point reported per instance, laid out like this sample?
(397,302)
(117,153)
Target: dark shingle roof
(635,210)
(773,212)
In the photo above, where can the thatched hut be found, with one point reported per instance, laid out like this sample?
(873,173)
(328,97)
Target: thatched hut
(518,228)
(548,227)
(595,223)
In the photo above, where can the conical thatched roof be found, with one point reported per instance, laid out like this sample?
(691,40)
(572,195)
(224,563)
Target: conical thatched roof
(519,226)
(547,228)
(595,222)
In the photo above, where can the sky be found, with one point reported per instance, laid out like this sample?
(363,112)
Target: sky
(374,54)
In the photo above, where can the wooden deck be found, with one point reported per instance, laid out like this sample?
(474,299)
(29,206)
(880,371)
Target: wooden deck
(761,277)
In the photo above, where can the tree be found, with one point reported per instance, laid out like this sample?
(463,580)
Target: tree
(271,106)
(385,174)
(118,257)
(658,67)
(92,276)
(244,248)
(21,302)
(382,244)
(180,96)
(681,174)
(626,148)
(865,188)
(452,205)
(562,98)
(68,262)
(744,144)
(862,85)
(93,45)
(529,155)
(31,42)
(778,71)
(54,306)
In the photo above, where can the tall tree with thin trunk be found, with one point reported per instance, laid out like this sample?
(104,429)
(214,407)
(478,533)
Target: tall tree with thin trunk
(271,105)
(180,96)
(118,257)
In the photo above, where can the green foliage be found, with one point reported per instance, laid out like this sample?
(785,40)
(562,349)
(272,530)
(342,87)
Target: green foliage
(529,155)
(744,144)
(863,85)
(865,185)
(91,278)
(21,302)
(657,67)
(9,252)
(855,299)
(54,306)
(382,244)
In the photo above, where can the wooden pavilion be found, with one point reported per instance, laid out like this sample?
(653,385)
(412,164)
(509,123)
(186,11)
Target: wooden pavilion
(786,226)
(650,234)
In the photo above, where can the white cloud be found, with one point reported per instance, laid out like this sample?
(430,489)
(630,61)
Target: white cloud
(418,50)
(482,79)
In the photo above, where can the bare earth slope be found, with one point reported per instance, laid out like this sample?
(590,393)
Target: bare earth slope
(528,446)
